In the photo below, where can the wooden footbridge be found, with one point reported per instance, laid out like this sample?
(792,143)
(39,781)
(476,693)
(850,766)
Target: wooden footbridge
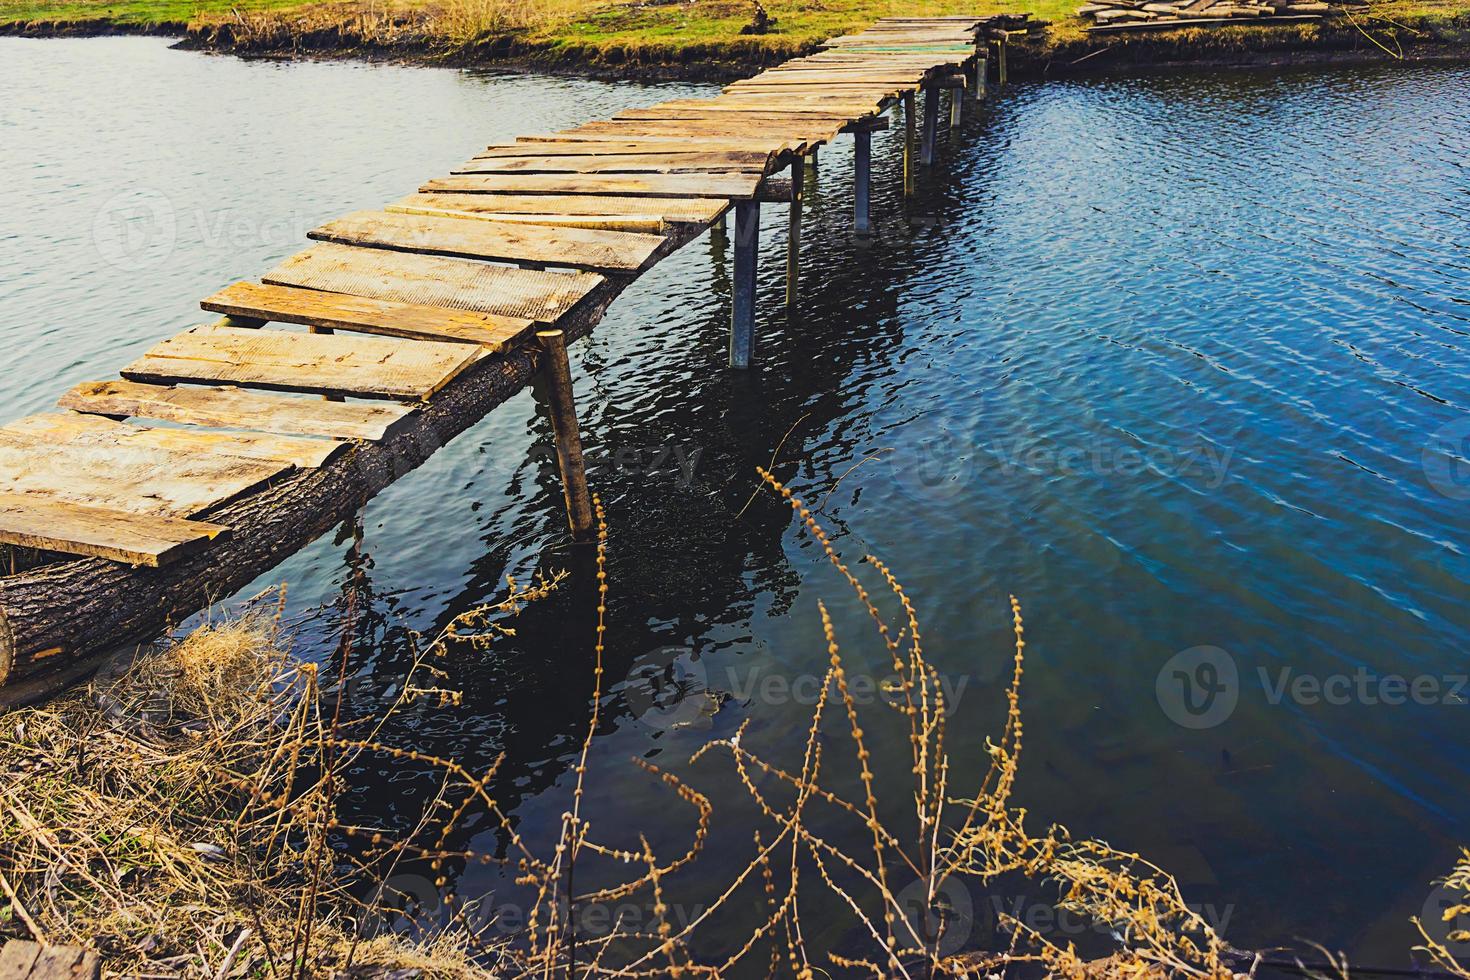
(229,446)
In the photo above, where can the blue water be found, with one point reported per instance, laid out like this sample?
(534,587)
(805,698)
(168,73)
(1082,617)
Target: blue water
(1180,361)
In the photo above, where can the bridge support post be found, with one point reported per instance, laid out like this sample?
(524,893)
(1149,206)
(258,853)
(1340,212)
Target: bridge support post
(1000,62)
(956,106)
(742,300)
(908,143)
(931,126)
(568,436)
(793,234)
(862,154)
(811,159)
(982,73)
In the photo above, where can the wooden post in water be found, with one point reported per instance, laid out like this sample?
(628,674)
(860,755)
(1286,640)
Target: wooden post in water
(862,169)
(742,301)
(1000,61)
(564,427)
(811,159)
(793,234)
(719,237)
(931,126)
(982,71)
(908,143)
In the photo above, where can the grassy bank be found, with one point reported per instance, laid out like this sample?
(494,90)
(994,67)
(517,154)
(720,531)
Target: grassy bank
(708,38)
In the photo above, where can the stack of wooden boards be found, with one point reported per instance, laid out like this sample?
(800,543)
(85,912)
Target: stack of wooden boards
(1157,15)
(389,306)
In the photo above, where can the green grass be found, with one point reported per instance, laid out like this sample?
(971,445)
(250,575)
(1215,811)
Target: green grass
(642,32)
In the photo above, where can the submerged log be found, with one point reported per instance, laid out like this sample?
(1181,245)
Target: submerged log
(57,619)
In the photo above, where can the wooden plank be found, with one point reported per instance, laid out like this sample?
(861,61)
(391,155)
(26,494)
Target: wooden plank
(687,210)
(645,223)
(233,408)
(32,521)
(432,280)
(630,163)
(22,960)
(337,311)
(583,248)
(140,480)
(753,113)
(735,186)
(765,141)
(549,147)
(327,364)
(82,429)
(812,129)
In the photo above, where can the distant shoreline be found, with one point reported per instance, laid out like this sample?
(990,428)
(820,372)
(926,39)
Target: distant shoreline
(1422,40)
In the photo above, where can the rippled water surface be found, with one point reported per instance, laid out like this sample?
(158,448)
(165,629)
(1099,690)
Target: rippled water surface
(1181,362)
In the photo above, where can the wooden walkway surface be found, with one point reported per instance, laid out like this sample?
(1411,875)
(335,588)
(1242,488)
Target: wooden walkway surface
(412,320)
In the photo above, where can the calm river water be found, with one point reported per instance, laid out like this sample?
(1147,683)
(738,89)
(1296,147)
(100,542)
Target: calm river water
(1180,361)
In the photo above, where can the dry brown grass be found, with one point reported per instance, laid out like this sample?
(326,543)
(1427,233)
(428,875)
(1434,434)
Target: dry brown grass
(184,820)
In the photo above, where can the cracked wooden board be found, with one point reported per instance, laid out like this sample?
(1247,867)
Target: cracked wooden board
(235,408)
(628,163)
(432,280)
(138,480)
(80,429)
(32,521)
(339,311)
(326,364)
(582,248)
(735,186)
(685,210)
(551,145)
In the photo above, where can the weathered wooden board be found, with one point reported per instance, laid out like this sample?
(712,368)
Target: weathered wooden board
(550,146)
(765,141)
(81,429)
(581,248)
(21,960)
(735,186)
(338,311)
(33,521)
(752,113)
(678,210)
(234,408)
(811,130)
(644,223)
(328,364)
(432,280)
(631,163)
(139,480)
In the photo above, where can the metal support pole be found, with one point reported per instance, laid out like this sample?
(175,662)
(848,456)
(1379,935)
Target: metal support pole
(862,153)
(1000,62)
(908,143)
(793,235)
(742,304)
(956,107)
(982,75)
(931,126)
(568,437)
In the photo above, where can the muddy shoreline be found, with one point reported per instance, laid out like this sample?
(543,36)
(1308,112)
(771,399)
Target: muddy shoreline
(1336,43)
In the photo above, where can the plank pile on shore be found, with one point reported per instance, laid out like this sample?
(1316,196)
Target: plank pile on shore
(1159,15)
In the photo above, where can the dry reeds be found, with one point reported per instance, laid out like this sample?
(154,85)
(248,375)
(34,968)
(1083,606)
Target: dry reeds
(184,819)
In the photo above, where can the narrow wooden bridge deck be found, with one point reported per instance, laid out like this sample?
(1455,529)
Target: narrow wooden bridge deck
(419,318)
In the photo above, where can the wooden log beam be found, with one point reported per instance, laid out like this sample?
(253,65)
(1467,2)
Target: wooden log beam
(59,620)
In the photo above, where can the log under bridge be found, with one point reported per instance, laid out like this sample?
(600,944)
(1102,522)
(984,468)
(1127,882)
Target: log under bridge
(350,363)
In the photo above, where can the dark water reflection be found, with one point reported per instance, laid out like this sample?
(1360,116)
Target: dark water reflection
(1179,361)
